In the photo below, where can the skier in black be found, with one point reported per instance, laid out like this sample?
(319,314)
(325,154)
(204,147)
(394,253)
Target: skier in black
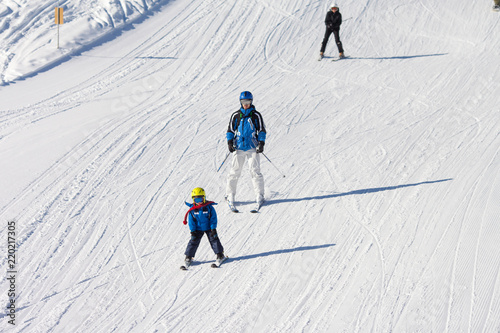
(333,21)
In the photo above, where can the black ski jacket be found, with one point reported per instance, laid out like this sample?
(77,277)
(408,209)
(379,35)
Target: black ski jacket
(333,20)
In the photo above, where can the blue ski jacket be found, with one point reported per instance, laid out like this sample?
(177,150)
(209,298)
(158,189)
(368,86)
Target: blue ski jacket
(203,218)
(246,129)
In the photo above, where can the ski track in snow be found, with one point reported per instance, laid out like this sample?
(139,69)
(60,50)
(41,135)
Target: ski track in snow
(386,220)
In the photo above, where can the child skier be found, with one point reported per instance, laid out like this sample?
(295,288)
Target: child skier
(202,219)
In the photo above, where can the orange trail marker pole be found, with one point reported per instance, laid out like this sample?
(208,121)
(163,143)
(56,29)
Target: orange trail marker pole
(59,21)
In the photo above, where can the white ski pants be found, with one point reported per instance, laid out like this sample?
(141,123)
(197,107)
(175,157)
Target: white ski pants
(237,164)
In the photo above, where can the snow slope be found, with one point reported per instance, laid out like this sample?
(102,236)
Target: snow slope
(387,220)
(29,35)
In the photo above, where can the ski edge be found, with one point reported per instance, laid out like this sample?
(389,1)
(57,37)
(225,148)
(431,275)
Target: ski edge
(186,266)
(214,265)
(338,58)
(255,210)
(257,207)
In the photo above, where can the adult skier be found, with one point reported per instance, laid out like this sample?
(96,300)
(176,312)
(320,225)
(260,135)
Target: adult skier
(246,136)
(202,219)
(333,21)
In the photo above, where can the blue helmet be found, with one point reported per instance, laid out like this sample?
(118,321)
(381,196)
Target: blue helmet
(246,95)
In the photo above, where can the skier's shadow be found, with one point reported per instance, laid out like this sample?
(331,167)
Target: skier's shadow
(115,57)
(271,253)
(400,57)
(356,192)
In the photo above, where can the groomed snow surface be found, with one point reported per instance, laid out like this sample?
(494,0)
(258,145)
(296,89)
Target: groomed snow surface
(387,219)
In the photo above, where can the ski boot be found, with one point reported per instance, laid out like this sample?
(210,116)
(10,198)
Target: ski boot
(187,262)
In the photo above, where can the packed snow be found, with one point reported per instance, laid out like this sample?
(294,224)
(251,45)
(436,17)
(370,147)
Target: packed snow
(387,219)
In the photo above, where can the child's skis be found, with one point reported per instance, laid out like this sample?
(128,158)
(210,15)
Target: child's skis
(186,265)
(218,262)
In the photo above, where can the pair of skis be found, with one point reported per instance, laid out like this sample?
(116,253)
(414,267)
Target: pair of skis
(254,210)
(334,59)
(216,264)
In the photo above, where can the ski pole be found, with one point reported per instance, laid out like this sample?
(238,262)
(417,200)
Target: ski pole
(224,161)
(273,165)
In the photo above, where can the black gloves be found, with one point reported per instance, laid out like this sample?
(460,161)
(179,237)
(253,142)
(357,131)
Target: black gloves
(230,145)
(194,234)
(260,148)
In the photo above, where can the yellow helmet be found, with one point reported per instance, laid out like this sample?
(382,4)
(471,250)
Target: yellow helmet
(198,192)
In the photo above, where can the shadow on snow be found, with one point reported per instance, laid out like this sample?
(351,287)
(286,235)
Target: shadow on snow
(271,253)
(400,57)
(356,192)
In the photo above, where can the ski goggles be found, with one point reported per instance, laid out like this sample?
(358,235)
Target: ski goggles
(246,102)
(199,200)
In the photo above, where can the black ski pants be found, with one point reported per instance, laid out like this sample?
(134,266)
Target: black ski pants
(335,32)
(195,240)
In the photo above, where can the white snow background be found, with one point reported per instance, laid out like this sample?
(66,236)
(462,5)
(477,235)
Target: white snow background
(387,219)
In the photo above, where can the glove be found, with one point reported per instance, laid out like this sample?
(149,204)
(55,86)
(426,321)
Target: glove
(230,145)
(213,232)
(260,148)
